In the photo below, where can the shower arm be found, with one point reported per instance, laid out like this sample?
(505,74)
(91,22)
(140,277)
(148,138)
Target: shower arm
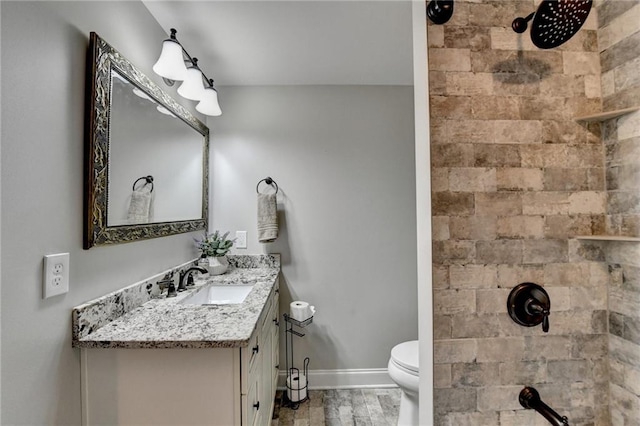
(530,398)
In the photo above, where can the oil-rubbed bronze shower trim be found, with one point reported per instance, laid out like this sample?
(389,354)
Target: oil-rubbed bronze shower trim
(555,21)
(528,304)
(440,11)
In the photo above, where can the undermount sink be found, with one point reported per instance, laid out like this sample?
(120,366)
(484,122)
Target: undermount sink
(226,294)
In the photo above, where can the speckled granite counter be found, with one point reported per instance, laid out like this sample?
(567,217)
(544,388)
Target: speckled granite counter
(166,323)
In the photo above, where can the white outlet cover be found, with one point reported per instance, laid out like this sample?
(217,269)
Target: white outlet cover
(241,239)
(55,275)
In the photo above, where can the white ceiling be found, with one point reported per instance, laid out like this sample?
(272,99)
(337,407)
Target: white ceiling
(294,42)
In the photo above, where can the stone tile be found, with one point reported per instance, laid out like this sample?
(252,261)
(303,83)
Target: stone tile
(620,100)
(492,301)
(499,251)
(435,35)
(452,155)
(469,84)
(501,349)
(565,179)
(519,179)
(442,376)
(440,228)
(521,227)
(473,228)
(589,298)
(503,38)
(449,59)
(561,297)
(545,203)
(440,276)
(622,202)
(496,13)
(545,251)
(518,84)
(567,132)
(465,325)
(629,126)
(472,419)
(547,347)
(472,276)
(619,28)
(439,179)
(626,75)
(474,38)
(452,204)
(499,398)
(453,351)
(568,371)
(609,10)
(511,275)
(442,327)
(447,302)
(471,131)
(563,226)
(607,84)
(548,155)
(454,400)
(448,252)
(543,108)
(620,53)
(472,179)
(495,108)
(500,204)
(450,107)
(563,85)
(584,156)
(581,63)
(592,87)
(590,346)
(522,417)
(523,372)
(579,106)
(437,83)
(566,274)
(587,202)
(502,155)
(475,374)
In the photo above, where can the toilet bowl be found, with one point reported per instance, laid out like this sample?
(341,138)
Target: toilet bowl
(403,370)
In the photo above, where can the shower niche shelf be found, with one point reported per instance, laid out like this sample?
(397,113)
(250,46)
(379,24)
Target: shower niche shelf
(603,116)
(608,238)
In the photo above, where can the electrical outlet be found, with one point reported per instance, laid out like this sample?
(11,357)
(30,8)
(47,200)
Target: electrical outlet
(241,239)
(55,275)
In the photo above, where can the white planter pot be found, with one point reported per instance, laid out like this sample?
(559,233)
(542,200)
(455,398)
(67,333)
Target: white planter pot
(218,265)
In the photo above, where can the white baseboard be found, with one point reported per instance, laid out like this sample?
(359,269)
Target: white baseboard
(345,379)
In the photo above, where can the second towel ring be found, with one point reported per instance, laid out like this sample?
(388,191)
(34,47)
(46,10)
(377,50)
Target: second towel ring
(268,181)
(147,179)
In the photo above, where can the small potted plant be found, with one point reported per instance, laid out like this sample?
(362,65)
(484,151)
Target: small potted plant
(214,247)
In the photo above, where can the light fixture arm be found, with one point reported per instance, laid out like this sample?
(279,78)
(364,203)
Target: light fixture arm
(190,61)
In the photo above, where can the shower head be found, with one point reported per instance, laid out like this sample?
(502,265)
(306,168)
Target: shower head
(555,21)
(440,11)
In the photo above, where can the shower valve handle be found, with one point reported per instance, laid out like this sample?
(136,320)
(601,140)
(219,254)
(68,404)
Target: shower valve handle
(533,307)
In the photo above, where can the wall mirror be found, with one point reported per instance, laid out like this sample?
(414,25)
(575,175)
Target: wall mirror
(146,156)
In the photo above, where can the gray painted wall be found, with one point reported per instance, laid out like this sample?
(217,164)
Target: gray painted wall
(343,157)
(45,45)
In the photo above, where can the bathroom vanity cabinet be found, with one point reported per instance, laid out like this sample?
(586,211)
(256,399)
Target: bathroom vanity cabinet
(185,384)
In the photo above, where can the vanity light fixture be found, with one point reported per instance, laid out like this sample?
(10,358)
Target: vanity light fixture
(172,66)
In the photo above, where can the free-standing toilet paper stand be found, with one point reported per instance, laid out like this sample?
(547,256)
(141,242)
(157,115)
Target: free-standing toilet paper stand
(297,384)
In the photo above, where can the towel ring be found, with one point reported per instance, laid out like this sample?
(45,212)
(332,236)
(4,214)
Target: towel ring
(268,181)
(148,180)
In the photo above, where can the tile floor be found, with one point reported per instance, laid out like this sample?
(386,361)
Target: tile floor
(341,407)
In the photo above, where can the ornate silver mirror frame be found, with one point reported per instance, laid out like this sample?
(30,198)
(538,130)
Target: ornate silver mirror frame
(102,60)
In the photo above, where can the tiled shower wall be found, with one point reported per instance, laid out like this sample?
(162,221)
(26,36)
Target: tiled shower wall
(514,178)
(619,45)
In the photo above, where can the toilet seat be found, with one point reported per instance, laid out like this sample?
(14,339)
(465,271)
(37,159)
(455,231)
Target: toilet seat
(405,356)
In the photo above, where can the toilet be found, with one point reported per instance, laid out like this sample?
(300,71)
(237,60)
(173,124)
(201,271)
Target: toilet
(403,370)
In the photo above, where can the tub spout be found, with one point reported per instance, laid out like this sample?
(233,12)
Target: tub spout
(530,398)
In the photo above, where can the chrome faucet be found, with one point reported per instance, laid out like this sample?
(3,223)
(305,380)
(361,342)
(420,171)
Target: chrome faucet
(182,286)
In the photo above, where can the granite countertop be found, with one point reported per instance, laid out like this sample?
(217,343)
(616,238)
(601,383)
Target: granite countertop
(166,323)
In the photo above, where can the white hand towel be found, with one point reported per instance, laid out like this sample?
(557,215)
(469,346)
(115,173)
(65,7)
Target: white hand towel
(139,207)
(267,218)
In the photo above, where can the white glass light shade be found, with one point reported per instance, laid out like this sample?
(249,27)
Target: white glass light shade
(192,87)
(209,104)
(170,64)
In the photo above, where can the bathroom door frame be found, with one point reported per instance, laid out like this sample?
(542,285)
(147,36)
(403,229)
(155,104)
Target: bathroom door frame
(423,209)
